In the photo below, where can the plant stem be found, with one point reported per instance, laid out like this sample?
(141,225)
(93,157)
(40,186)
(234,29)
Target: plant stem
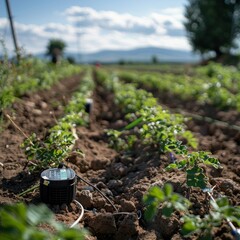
(18,128)
(28,190)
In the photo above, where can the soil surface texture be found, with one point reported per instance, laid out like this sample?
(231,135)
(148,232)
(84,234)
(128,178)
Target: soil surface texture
(124,179)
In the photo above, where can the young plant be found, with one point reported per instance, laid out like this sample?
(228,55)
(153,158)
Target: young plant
(169,202)
(165,197)
(203,226)
(192,164)
(53,150)
(23,222)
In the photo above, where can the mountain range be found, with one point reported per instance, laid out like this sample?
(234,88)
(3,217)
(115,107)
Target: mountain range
(145,54)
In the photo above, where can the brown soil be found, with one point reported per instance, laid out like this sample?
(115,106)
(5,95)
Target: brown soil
(122,178)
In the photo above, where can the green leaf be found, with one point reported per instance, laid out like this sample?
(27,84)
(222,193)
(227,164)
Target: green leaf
(168,190)
(167,211)
(222,202)
(212,161)
(188,227)
(150,212)
(196,178)
(134,123)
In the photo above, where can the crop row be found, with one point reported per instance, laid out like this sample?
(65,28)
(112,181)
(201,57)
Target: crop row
(148,124)
(56,147)
(213,84)
(30,75)
(42,154)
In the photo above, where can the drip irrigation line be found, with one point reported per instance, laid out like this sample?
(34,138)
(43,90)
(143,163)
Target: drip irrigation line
(206,119)
(99,191)
(81,214)
(235,231)
(138,213)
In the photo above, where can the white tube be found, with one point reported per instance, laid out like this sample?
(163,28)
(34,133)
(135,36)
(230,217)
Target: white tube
(81,214)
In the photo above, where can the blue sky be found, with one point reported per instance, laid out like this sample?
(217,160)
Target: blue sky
(93,25)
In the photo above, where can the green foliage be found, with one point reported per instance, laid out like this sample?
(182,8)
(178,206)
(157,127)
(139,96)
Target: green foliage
(192,165)
(212,25)
(212,84)
(53,150)
(28,76)
(149,123)
(61,139)
(55,49)
(6,92)
(26,223)
(204,225)
(170,201)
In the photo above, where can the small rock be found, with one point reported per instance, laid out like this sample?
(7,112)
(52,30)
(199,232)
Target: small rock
(113,183)
(167,226)
(127,206)
(128,227)
(85,198)
(43,105)
(109,208)
(30,104)
(100,185)
(98,164)
(103,224)
(99,202)
(37,112)
(119,169)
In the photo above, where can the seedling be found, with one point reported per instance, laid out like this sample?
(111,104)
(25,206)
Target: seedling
(192,224)
(192,165)
(170,201)
(21,222)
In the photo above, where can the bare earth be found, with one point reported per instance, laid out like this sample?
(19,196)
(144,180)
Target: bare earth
(124,179)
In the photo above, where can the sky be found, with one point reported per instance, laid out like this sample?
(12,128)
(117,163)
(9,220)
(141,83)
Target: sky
(93,25)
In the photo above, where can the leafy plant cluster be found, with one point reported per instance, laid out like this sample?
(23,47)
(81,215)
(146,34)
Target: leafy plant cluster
(29,75)
(34,222)
(213,84)
(149,124)
(192,164)
(60,141)
(169,202)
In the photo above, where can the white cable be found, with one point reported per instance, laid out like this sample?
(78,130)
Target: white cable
(228,221)
(81,215)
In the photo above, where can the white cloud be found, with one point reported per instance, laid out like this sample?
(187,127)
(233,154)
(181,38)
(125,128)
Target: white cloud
(82,17)
(89,30)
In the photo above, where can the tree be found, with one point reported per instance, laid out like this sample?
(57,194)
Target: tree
(154,59)
(55,49)
(212,25)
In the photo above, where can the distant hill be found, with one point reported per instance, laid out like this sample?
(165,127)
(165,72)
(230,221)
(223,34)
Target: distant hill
(135,55)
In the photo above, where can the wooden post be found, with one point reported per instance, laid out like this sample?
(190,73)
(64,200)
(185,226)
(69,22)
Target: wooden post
(13,31)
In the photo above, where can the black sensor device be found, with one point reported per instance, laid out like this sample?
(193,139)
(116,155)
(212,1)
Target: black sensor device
(58,186)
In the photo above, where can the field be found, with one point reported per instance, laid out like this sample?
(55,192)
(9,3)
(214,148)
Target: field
(147,126)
